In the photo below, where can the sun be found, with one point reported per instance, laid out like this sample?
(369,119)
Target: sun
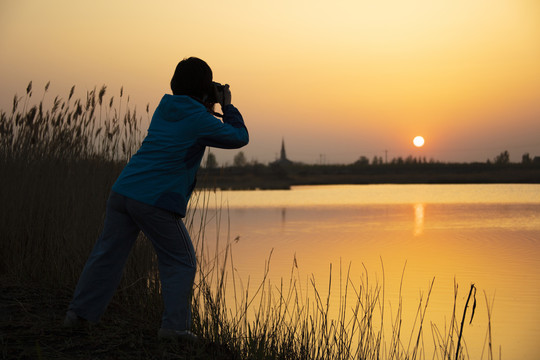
(418,141)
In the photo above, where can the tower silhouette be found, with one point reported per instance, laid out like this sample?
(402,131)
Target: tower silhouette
(283,156)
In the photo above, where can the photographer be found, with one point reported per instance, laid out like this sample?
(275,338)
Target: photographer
(151,195)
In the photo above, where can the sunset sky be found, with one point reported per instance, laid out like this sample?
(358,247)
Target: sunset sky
(335,79)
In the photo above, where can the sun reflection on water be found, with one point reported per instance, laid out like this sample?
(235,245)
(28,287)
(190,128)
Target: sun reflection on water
(418,219)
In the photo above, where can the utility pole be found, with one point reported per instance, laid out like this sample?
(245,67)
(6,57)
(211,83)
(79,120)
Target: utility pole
(386,156)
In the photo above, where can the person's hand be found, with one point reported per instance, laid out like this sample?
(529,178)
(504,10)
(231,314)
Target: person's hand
(226,96)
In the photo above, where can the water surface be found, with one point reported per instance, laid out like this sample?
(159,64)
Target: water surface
(488,235)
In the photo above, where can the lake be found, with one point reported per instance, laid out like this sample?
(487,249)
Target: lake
(401,236)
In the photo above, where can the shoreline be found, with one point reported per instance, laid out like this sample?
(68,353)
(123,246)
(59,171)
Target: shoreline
(283,178)
(31,316)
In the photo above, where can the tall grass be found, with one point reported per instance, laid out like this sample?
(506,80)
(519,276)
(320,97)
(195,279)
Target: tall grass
(71,129)
(58,165)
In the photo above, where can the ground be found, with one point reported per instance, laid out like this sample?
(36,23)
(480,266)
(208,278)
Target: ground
(31,328)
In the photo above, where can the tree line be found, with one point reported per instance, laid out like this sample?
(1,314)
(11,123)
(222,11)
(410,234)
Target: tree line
(240,160)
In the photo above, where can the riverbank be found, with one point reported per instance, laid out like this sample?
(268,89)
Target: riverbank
(31,328)
(283,177)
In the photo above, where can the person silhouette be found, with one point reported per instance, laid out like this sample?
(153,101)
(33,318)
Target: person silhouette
(151,195)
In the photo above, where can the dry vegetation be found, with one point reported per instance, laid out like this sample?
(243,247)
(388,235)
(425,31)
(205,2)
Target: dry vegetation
(58,165)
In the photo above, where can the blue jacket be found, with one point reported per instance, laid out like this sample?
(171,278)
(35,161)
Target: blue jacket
(163,172)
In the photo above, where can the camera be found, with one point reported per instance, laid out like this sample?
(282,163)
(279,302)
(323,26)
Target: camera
(216,93)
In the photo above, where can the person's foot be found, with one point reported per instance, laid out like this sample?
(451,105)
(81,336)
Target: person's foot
(73,321)
(182,335)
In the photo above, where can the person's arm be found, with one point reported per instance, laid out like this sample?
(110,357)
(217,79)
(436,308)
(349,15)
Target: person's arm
(229,134)
(232,132)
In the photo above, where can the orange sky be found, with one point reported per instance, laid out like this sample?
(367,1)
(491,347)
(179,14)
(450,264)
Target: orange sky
(335,79)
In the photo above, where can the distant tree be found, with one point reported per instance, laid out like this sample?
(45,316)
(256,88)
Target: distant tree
(375,160)
(410,160)
(399,160)
(502,158)
(240,159)
(211,162)
(362,161)
(526,158)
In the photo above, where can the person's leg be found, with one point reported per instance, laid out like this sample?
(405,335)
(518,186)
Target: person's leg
(176,258)
(103,270)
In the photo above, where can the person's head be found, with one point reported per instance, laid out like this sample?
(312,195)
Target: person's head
(192,77)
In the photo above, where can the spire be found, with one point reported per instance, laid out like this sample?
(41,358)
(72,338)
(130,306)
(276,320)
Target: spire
(283,154)
(283,157)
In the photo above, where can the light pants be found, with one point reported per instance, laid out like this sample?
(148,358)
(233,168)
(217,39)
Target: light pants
(101,275)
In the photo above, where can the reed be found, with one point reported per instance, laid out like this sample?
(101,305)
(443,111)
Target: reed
(58,165)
